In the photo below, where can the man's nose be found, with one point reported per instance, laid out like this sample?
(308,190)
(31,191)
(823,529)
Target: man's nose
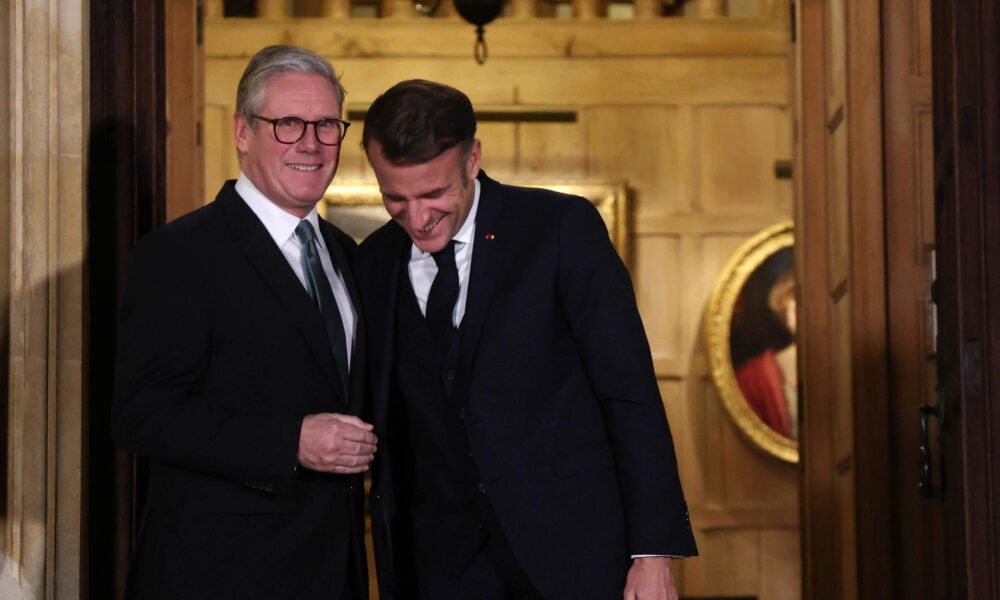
(416,215)
(309,141)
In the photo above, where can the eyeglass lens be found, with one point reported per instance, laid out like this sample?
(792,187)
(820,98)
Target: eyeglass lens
(289,130)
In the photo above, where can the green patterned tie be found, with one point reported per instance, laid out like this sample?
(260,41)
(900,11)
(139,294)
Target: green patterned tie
(319,288)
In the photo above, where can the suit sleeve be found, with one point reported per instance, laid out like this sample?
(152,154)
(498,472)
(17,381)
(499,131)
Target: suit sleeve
(596,292)
(164,352)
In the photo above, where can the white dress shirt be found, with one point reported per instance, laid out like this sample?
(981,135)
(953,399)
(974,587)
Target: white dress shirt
(423,269)
(281,225)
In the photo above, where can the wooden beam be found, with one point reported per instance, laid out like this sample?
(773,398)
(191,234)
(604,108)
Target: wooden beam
(507,37)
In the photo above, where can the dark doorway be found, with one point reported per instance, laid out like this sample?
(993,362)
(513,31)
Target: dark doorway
(125,190)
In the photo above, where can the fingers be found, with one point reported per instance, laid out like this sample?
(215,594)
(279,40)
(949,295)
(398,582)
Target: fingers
(355,434)
(333,443)
(352,420)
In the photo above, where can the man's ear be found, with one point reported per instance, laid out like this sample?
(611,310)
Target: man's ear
(242,130)
(472,162)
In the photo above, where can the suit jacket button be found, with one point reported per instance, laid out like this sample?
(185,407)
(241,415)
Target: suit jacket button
(461,414)
(451,374)
(481,487)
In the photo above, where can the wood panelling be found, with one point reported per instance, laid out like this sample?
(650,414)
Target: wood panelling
(844,362)
(666,80)
(353,164)
(869,348)
(551,150)
(772,484)
(692,114)
(918,566)
(737,147)
(835,65)
(640,144)
(838,238)
(220,156)
(379,38)
(778,550)
(500,148)
(819,559)
(846,545)
(721,578)
(705,224)
(967,160)
(185,113)
(842,381)
(657,262)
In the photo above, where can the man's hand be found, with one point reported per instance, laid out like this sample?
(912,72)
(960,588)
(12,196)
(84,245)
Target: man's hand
(650,579)
(333,443)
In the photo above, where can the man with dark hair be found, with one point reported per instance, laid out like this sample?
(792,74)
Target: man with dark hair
(240,374)
(526,450)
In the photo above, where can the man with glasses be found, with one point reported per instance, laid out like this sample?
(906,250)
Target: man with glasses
(526,453)
(241,365)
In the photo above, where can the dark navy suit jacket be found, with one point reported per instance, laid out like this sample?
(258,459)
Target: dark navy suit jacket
(564,415)
(222,354)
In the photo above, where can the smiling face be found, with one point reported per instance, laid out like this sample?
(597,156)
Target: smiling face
(293,176)
(431,200)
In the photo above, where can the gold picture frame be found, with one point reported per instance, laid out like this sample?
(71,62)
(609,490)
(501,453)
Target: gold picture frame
(719,318)
(356,206)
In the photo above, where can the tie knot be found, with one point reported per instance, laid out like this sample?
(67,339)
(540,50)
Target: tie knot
(305,233)
(445,255)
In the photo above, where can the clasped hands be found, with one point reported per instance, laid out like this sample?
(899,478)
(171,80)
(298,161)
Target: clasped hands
(334,443)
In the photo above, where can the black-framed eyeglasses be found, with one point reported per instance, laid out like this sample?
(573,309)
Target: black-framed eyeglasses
(289,130)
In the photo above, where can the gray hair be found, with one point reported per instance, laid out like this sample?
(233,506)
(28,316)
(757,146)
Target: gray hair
(276,60)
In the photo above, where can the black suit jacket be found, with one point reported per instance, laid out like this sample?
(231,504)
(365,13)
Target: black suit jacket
(564,415)
(222,354)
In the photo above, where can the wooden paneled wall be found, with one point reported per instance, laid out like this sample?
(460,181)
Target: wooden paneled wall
(692,113)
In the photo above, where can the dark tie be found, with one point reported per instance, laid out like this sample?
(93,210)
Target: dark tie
(319,288)
(443,294)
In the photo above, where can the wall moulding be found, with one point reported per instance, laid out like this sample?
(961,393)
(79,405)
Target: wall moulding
(42,242)
(240,38)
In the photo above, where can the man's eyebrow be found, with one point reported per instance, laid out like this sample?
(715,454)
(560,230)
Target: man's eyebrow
(434,192)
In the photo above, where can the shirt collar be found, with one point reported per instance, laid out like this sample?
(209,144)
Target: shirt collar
(279,224)
(465,233)
(468,229)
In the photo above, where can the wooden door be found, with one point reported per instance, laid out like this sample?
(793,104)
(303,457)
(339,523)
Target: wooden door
(891,191)
(966,50)
(917,514)
(841,269)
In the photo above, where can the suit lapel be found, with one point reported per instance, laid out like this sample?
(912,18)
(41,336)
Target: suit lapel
(267,259)
(381,308)
(487,260)
(388,266)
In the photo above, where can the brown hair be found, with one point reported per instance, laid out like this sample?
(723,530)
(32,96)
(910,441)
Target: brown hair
(416,121)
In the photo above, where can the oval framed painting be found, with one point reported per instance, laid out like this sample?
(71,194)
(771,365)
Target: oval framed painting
(750,324)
